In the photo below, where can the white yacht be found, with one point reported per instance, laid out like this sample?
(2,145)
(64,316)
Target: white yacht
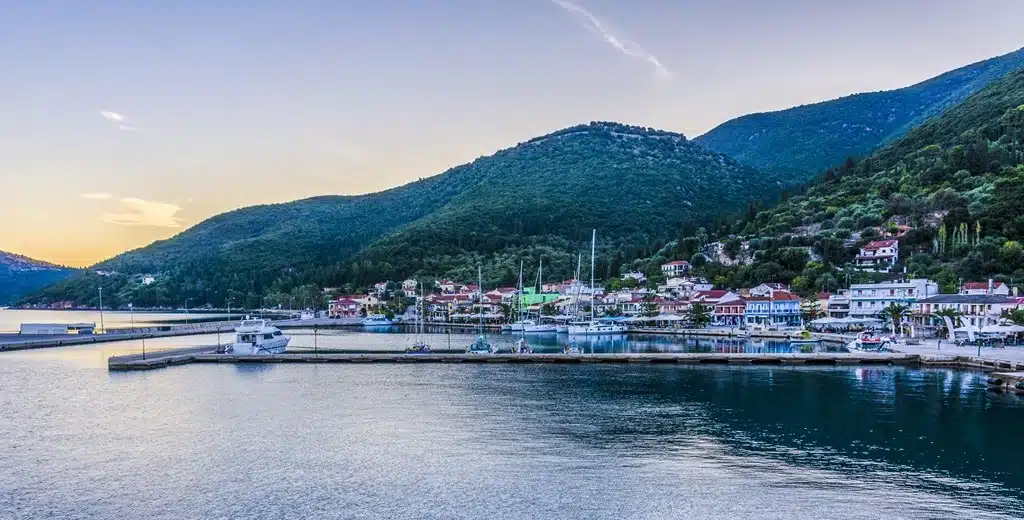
(518,326)
(376,320)
(256,337)
(540,328)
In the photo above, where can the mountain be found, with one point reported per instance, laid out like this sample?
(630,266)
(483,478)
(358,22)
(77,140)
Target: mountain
(957,182)
(808,139)
(541,198)
(20,275)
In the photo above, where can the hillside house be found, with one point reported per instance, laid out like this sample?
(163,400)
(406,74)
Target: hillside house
(985,288)
(676,268)
(879,255)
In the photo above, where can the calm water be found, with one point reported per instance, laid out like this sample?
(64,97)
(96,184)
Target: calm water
(549,441)
(11,320)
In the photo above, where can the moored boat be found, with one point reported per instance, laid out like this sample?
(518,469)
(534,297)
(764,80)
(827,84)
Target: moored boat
(256,337)
(376,320)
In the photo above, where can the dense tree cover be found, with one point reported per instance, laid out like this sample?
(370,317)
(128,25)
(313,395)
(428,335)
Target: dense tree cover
(20,276)
(957,181)
(537,200)
(807,139)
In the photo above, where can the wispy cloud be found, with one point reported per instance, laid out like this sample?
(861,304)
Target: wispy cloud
(118,120)
(96,196)
(138,212)
(618,41)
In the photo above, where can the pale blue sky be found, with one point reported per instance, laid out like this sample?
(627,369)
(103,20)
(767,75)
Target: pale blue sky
(218,104)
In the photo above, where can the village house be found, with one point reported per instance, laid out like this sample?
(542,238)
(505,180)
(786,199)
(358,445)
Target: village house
(637,276)
(343,308)
(470,289)
(730,313)
(838,305)
(684,287)
(976,310)
(380,288)
(983,288)
(672,305)
(777,309)
(676,268)
(409,288)
(879,255)
(766,289)
(445,286)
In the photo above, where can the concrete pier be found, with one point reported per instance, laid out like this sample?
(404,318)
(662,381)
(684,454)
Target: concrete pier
(209,355)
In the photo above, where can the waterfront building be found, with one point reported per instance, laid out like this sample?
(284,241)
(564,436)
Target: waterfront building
(343,308)
(380,288)
(879,255)
(777,309)
(976,310)
(676,268)
(838,305)
(730,313)
(869,300)
(985,288)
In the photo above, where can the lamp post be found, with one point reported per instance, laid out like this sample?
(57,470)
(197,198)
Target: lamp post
(186,311)
(104,329)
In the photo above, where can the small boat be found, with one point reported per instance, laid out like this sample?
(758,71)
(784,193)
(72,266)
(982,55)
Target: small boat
(562,328)
(376,320)
(420,347)
(256,337)
(572,348)
(803,341)
(868,343)
(4,308)
(522,347)
(518,326)
(481,346)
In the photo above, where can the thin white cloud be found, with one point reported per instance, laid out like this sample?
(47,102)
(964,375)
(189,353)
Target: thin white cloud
(138,212)
(617,41)
(117,119)
(96,196)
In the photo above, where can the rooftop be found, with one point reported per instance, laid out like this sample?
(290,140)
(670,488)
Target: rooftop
(968,298)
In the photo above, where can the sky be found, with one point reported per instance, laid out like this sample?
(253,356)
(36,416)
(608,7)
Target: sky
(125,122)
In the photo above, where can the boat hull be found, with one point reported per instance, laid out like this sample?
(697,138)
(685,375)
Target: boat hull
(596,330)
(277,345)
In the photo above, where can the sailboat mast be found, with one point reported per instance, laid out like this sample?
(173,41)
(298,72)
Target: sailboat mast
(519,296)
(576,282)
(480,287)
(593,255)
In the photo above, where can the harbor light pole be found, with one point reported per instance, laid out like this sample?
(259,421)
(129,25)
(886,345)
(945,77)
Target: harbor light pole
(104,329)
(186,311)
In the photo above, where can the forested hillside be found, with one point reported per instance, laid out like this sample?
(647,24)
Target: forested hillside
(957,183)
(20,275)
(637,186)
(805,140)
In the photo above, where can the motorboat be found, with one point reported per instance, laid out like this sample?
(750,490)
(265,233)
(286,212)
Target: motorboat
(481,346)
(420,347)
(257,337)
(596,328)
(572,348)
(521,347)
(869,343)
(376,320)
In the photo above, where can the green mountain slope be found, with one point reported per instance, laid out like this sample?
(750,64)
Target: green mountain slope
(20,276)
(542,197)
(807,139)
(957,181)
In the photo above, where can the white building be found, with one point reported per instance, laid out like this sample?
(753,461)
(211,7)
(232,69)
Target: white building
(838,305)
(635,275)
(879,255)
(766,289)
(983,288)
(676,268)
(868,300)
(409,288)
(976,310)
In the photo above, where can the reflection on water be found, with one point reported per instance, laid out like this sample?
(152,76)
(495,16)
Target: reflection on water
(501,441)
(441,339)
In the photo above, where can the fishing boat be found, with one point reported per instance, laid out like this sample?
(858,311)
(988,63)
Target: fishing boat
(868,343)
(255,337)
(572,348)
(376,320)
(595,327)
(481,345)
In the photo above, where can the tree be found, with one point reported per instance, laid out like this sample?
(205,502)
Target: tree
(548,309)
(699,315)
(1016,316)
(649,308)
(895,313)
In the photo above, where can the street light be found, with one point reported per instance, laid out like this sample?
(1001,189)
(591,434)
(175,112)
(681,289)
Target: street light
(186,310)
(101,311)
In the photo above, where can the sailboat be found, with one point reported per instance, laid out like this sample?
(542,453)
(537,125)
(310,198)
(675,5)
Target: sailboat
(481,345)
(539,327)
(520,323)
(420,346)
(594,327)
(563,327)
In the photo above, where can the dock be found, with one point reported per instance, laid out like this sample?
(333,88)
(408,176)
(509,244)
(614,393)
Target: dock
(209,355)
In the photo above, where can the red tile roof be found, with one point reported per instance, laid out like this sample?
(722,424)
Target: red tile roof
(677,262)
(981,286)
(879,244)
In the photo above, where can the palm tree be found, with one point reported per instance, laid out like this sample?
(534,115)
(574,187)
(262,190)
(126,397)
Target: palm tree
(895,313)
(699,315)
